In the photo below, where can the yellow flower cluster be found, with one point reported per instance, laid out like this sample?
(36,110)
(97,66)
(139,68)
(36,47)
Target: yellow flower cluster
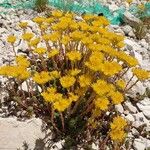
(18,71)
(34,42)
(27,36)
(40,50)
(117,132)
(23,24)
(76,63)
(74,55)
(44,76)
(11,39)
(53,52)
(67,81)
(102,103)
(107,91)
(59,102)
(121,83)
(141,74)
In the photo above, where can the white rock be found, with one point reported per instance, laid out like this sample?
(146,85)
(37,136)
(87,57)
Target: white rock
(131,19)
(131,108)
(127,29)
(138,88)
(3,30)
(119,108)
(113,7)
(130,117)
(135,132)
(145,64)
(145,102)
(144,44)
(143,107)
(58,145)
(147,113)
(119,31)
(13,133)
(114,26)
(140,120)
(131,34)
(139,144)
(131,45)
(24,86)
(95,146)
(78,18)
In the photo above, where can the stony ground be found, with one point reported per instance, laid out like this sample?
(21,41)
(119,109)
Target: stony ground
(13,133)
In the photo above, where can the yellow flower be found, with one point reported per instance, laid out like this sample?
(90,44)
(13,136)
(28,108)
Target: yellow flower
(22,61)
(57,13)
(116,97)
(141,74)
(43,26)
(46,37)
(86,41)
(24,74)
(49,20)
(67,81)
(40,50)
(53,52)
(54,74)
(11,39)
(111,68)
(42,77)
(102,103)
(34,42)
(73,26)
(101,87)
(61,105)
(61,26)
(118,123)
(101,21)
(49,95)
(83,25)
(23,24)
(51,90)
(55,36)
(131,61)
(77,35)
(18,72)
(74,55)
(74,72)
(84,80)
(73,97)
(121,83)
(120,44)
(117,135)
(39,20)
(65,40)
(27,36)
(9,71)
(69,15)
(117,132)
(95,61)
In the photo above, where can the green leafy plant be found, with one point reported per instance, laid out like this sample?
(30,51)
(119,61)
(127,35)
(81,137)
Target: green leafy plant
(74,73)
(41,5)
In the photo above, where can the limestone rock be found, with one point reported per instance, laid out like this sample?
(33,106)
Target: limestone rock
(131,20)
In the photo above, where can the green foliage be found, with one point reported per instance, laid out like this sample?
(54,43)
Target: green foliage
(40,5)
